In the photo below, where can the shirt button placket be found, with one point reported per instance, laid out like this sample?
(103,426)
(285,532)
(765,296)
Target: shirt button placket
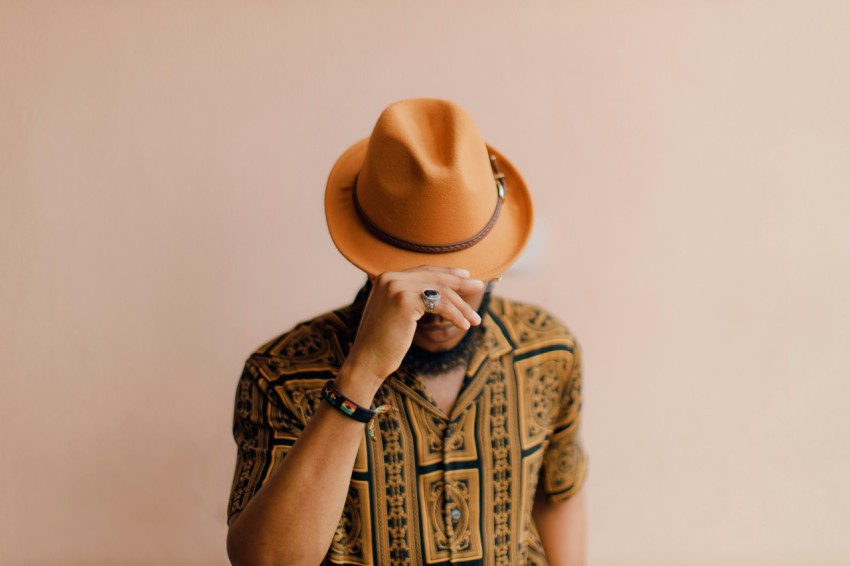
(450,511)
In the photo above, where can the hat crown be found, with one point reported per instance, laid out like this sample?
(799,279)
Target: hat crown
(426,176)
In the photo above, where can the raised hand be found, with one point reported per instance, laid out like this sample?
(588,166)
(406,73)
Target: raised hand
(392,311)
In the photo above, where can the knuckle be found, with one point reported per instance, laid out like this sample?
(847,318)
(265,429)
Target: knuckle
(398,299)
(393,286)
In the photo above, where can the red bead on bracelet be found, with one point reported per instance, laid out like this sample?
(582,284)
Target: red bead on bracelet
(351,409)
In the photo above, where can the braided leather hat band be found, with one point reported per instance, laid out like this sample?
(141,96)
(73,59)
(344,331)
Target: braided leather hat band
(501,190)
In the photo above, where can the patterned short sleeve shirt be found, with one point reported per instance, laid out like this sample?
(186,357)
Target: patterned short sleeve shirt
(432,489)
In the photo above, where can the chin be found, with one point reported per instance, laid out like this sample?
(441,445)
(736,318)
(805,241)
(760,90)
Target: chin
(433,348)
(435,345)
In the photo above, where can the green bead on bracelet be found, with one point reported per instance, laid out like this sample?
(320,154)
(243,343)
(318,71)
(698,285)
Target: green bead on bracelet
(351,409)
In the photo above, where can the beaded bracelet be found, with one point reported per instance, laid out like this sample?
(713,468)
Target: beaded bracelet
(339,401)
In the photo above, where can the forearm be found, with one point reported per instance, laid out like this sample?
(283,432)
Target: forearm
(292,519)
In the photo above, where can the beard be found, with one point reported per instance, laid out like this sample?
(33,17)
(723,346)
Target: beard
(429,364)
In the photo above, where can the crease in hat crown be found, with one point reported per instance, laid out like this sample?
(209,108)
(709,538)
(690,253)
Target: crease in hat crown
(426,176)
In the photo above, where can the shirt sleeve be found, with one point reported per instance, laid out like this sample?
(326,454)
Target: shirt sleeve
(264,431)
(565,461)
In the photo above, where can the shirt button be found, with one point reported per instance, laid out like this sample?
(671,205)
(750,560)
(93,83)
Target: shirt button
(455,514)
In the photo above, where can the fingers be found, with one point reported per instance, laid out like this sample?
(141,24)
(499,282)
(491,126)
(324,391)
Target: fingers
(451,277)
(451,306)
(452,283)
(449,311)
(459,272)
(464,314)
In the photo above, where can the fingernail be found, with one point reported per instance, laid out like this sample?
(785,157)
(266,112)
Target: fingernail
(463,272)
(477,317)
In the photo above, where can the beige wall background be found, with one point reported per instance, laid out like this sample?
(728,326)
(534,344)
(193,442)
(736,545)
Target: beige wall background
(162,166)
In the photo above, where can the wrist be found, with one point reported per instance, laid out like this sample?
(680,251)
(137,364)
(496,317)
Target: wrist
(351,409)
(357,383)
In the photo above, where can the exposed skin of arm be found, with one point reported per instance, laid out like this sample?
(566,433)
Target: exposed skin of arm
(292,519)
(563,529)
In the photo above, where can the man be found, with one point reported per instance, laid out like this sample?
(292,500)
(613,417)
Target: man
(428,422)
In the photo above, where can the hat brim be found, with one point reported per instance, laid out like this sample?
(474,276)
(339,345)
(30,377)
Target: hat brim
(490,257)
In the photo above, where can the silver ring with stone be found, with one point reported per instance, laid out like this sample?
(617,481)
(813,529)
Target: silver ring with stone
(430,298)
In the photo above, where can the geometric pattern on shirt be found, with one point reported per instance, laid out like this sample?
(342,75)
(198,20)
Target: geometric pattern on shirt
(432,488)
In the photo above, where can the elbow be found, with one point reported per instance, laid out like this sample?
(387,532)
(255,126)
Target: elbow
(244,550)
(238,550)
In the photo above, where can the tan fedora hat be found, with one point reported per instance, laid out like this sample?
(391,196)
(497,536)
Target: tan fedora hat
(425,188)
